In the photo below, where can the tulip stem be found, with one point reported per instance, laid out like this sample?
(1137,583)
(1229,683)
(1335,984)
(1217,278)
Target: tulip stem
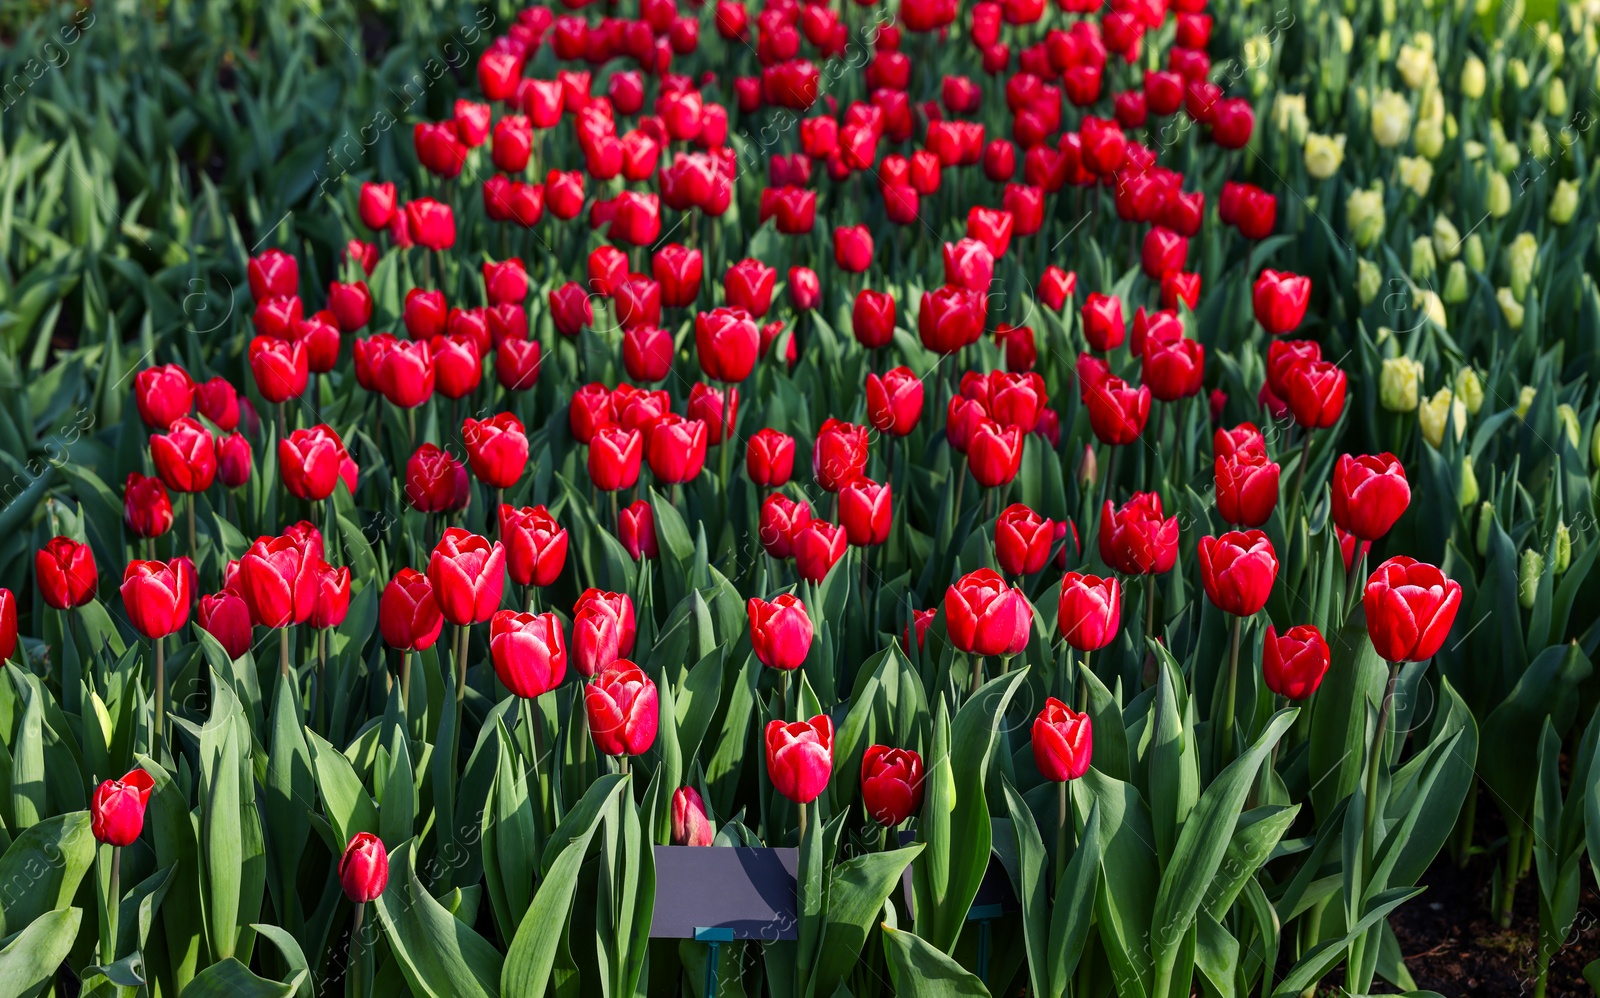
(113,896)
(977,675)
(161,699)
(317,699)
(1291,525)
(1370,830)
(1149,608)
(802,807)
(1061,831)
(283,652)
(356,954)
(1358,565)
(194,553)
(1225,728)
(461,678)
(622,764)
(405,681)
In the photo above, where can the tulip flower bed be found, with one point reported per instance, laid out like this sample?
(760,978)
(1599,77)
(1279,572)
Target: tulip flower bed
(1088,498)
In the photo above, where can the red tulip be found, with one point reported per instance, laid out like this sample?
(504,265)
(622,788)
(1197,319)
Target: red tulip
(1089,611)
(614,457)
(780,631)
(408,614)
(310,462)
(497,449)
(891,784)
(1369,494)
(218,401)
(1232,120)
(719,410)
(1135,539)
(800,757)
(727,343)
(1410,606)
(678,270)
(185,456)
(1056,286)
(748,285)
(1247,489)
(529,652)
(623,709)
(852,248)
(894,401)
(156,595)
(226,617)
(116,813)
(468,576)
(691,825)
(769,457)
(1022,540)
(805,289)
(780,518)
(331,588)
(1243,440)
(66,573)
(163,394)
(817,546)
(8,624)
(1315,392)
(273,274)
(535,544)
(647,353)
(351,305)
(376,206)
(984,617)
(839,455)
(570,308)
(1018,344)
(278,580)
(146,508)
(1237,570)
(1117,410)
(675,447)
(1102,321)
(872,318)
(994,453)
(276,318)
(969,264)
(603,631)
(1293,663)
(281,368)
(951,318)
(1063,742)
(1257,212)
(364,868)
(866,512)
(1280,300)
(636,529)
(432,224)
(435,481)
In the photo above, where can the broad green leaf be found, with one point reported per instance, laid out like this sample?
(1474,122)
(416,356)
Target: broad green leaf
(232,979)
(440,955)
(857,889)
(920,970)
(62,848)
(344,799)
(34,954)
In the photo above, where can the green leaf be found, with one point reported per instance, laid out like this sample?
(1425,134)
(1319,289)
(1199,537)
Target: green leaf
(440,955)
(1321,958)
(920,970)
(222,844)
(1074,903)
(232,979)
(857,890)
(35,953)
(62,847)
(533,951)
(344,799)
(292,954)
(1203,843)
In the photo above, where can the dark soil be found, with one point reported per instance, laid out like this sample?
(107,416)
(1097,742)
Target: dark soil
(1452,945)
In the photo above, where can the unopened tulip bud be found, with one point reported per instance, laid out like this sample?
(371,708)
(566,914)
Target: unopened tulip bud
(1369,281)
(1525,396)
(1470,390)
(1564,202)
(1555,98)
(1423,262)
(1441,410)
(1529,570)
(1517,73)
(1364,216)
(1473,78)
(1485,522)
(1467,490)
(1324,155)
(1509,307)
(1555,48)
(1499,196)
(1474,253)
(1429,137)
(1088,470)
(1567,417)
(1563,554)
(1399,383)
(1446,238)
(1456,287)
(1432,307)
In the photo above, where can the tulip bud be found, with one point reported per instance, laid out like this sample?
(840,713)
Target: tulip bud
(1446,239)
(1323,155)
(1474,253)
(1467,490)
(1364,216)
(1567,417)
(1457,289)
(1423,263)
(1538,142)
(1440,408)
(1563,552)
(1473,78)
(691,824)
(1564,202)
(1509,307)
(1499,196)
(364,868)
(1399,383)
(1088,469)
(118,807)
(1529,571)
(1369,281)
